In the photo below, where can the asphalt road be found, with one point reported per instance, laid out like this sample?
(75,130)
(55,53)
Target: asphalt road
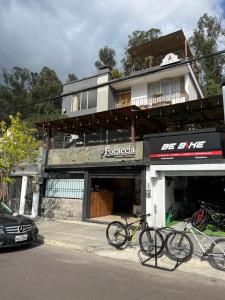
(46,272)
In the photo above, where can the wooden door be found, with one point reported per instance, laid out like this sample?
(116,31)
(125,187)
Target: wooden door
(101,204)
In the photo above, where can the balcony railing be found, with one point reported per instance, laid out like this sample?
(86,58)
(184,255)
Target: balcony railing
(160,99)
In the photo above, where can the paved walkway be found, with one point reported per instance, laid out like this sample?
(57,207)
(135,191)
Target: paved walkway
(91,238)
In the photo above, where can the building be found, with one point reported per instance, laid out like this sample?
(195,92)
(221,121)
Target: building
(98,154)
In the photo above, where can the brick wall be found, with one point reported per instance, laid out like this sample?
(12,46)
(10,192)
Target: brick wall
(61,208)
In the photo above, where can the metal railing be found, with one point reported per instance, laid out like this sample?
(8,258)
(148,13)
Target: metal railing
(160,99)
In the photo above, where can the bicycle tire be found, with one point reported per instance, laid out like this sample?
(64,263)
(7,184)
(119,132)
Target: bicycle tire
(215,253)
(147,242)
(116,234)
(178,250)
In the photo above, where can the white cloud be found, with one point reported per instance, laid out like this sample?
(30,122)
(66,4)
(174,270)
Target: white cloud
(66,35)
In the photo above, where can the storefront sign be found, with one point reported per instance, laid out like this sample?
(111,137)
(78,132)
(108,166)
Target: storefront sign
(119,152)
(199,146)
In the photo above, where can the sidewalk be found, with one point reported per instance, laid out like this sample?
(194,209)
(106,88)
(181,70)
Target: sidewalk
(91,238)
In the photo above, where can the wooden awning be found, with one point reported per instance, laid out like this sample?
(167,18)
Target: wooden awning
(201,113)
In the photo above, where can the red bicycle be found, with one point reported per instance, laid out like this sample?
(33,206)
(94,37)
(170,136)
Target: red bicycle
(205,215)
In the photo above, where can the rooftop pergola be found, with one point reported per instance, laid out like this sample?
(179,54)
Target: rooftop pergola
(201,113)
(163,45)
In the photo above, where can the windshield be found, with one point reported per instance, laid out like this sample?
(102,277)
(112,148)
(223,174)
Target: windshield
(4,209)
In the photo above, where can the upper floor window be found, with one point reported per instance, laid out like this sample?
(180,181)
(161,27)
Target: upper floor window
(166,87)
(84,101)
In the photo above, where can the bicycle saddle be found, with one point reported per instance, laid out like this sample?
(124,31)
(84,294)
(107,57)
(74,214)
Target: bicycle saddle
(124,218)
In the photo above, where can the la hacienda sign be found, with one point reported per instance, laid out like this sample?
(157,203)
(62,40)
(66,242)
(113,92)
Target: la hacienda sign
(119,151)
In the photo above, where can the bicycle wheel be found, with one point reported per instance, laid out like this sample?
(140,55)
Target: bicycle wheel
(147,239)
(178,246)
(217,254)
(116,234)
(199,221)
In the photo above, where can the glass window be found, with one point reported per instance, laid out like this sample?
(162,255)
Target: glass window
(65,188)
(83,101)
(74,103)
(92,99)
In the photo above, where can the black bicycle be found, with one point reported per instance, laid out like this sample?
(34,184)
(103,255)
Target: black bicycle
(118,233)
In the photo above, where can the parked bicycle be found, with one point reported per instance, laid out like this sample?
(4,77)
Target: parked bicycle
(207,215)
(179,246)
(118,233)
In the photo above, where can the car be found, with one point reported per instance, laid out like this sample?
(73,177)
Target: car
(15,229)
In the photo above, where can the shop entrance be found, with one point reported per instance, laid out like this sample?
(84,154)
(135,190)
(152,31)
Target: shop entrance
(115,196)
(184,193)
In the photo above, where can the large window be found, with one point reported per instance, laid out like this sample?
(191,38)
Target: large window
(166,87)
(84,101)
(65,188)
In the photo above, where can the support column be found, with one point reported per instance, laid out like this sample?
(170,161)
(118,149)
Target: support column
(23,194)
(35,203)
(133,130)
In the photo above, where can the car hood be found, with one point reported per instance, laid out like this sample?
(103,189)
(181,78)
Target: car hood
(7,219)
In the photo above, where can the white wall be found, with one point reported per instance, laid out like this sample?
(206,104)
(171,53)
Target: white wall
(102,93)
(190,87)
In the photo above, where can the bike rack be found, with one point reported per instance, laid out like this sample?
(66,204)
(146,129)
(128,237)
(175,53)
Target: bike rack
(144,262)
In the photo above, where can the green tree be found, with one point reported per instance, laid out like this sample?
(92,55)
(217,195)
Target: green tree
(17,145)
(22,87)
(116,73)
(45,85)
(206,38)
(138,38)
(71,77)
(106,57)
(16,88)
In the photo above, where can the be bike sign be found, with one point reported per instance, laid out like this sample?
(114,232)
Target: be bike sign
(185,147)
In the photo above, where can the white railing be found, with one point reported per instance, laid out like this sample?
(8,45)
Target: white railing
(160,100)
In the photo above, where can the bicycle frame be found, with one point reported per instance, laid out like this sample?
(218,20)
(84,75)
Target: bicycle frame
(192,229)
(133,231)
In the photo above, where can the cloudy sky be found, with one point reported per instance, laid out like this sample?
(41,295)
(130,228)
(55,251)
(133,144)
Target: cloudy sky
(66,35)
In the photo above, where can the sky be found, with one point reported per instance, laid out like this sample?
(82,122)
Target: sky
(67,35)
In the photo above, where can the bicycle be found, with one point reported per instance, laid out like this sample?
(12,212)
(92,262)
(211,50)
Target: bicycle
(118,234)
(206,215)
(179,247)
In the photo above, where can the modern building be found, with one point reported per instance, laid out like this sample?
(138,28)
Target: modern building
(98,161)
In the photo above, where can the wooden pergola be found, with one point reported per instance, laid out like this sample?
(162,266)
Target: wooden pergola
(201,113)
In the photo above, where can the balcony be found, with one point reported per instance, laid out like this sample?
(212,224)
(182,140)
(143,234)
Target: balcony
(158,99)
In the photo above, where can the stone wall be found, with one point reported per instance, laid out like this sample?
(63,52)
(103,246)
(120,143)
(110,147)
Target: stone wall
(61,208)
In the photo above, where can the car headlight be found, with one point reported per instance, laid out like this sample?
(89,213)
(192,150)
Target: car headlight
(2,230)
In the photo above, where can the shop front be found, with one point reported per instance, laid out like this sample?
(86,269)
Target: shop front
(184,169)
(112,182)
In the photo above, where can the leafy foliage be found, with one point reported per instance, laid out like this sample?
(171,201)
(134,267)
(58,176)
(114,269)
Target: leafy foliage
(22,87)
(71,77)
(138,38)
(17,145)
(106,57)
(206,39)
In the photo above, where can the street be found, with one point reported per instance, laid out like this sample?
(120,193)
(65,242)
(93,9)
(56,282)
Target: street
(47,272)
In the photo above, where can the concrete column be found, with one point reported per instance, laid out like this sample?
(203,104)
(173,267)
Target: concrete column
(35,202)
(23,194)
(158,200)
(149,203)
